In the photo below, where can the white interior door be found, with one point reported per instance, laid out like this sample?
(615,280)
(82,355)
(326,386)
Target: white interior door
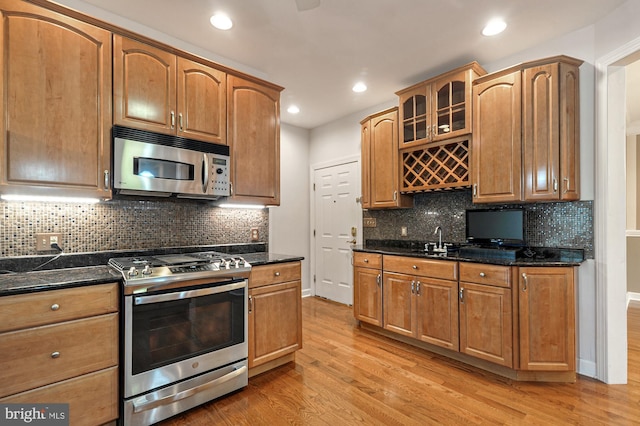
(337,212)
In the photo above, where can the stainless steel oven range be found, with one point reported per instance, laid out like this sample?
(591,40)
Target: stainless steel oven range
(185,332)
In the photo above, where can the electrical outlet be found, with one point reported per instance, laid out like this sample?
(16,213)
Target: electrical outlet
(403,231)
(255,234)
(44,240)
(369,222)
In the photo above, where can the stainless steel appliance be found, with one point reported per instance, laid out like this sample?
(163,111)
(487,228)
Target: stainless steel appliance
(153,164)
(185,332)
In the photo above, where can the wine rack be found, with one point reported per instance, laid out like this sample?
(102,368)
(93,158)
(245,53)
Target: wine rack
(437,166)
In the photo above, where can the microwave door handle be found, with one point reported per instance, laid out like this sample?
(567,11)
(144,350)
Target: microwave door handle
(205,173)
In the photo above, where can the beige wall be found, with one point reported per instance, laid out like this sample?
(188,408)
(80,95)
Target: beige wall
(633,264)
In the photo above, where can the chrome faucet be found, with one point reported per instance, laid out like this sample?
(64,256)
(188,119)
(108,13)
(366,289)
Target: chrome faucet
(439,247)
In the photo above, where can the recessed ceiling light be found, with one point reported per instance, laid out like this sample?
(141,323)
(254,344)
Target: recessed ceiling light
(293,109)
(494,26)
(221,21)
(359,87)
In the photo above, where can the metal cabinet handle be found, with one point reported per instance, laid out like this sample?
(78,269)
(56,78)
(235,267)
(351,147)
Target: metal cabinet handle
(366,261)
(107,181)
(395,195)
(413,287)
(55,307)
(475,190)
(482,274)
(55,355)
(379,279)
(418,288)
(525,282)
(277,274)
(566,186)
(434,132)
(461,295)
(180,122)
(555,185)
(415,266)
(250,304)
(173,120)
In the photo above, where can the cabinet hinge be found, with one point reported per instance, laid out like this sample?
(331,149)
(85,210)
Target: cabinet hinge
(314,186)
(314,232)
(314,278)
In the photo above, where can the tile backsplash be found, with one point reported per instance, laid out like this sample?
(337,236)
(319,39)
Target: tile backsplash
(560,225)
(126,224)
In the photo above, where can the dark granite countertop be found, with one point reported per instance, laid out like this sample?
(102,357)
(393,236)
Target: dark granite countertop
(539,256)
(264,258)
(73,270)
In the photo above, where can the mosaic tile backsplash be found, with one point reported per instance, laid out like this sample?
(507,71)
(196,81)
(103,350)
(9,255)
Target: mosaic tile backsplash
(559,225)
(126,224)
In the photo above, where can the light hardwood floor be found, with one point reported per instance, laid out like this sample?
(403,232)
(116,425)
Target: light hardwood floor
(345,376)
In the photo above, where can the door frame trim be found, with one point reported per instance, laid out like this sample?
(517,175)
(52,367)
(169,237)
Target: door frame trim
(312,208)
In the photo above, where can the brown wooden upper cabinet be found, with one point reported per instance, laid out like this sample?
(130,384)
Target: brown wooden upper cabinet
(526,133)
(254,141)
(380,179)
(158,91)
(438,108)
(56,104)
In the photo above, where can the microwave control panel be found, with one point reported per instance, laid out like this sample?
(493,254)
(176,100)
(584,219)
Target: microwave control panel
(219,175)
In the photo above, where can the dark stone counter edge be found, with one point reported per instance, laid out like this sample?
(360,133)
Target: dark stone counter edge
(54,279)
(568,261)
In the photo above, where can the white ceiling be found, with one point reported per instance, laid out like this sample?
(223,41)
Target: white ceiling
(318,54)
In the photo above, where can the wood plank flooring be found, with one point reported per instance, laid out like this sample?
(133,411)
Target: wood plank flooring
(344,376)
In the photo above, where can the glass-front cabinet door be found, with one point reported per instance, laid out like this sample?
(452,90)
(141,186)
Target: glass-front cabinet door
(415,113)
(438,109)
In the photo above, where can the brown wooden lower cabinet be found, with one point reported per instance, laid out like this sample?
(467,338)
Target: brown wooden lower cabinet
(486,323)
(367,288)
(92,398)
(547,319)
(275,315)
(61,346)
(515,321)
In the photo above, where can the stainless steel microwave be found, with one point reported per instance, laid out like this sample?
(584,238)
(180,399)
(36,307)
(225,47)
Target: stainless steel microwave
(153,164)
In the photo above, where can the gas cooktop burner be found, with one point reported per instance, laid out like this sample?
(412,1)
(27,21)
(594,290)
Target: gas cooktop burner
(142,271)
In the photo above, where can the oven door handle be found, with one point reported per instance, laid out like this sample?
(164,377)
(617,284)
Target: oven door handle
(137,408)
(179,295)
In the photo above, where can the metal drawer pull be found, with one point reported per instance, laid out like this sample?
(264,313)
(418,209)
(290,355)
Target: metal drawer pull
(137,407)
(55,307)
(482,274)
(366,261)
(418,288)
(413,287)
(415,267)
(55,355)
(378,279)
(524,282)
(461,295)
(277,274)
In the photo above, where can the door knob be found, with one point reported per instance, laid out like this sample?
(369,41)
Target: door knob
(352,241)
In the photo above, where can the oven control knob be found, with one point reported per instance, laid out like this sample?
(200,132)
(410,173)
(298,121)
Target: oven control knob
(226,264)
(237,263)
(132,272)
(147,270)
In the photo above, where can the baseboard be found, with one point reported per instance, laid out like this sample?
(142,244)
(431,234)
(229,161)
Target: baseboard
(306,292)
(586,368)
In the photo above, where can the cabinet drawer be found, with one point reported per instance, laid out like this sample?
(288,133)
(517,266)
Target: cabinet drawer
(273,274)
(442,269)
(367,260)
(42,355)
(51,306)
(92,398)
(485,274)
